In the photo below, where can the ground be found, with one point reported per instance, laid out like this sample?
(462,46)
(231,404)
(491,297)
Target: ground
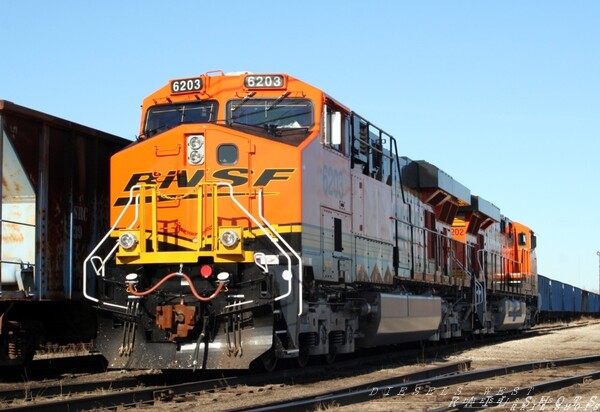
(565,343)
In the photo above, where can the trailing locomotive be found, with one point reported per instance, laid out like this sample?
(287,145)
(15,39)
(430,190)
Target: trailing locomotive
(257,218)
(55,187)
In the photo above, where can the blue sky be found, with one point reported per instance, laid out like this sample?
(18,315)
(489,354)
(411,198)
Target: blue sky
(504,96)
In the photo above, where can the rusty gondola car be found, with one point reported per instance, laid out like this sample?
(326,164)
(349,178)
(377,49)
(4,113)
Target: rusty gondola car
(55,182)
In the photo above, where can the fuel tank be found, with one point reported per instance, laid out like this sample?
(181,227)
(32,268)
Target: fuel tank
(393,318)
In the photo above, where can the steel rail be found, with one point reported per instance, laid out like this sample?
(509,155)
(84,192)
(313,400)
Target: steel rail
(65,365)
(38,392)
(120,398)
(485,402)
(165,393)
(373,391)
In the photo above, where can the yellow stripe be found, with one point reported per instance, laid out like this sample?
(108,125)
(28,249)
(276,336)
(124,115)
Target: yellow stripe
(141,256)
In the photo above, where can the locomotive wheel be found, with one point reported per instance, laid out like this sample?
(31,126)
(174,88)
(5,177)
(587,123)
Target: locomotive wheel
(330,357)
(269,361)
(303,358)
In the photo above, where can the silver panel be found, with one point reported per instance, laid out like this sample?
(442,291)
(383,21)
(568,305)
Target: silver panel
(400,318)
(509,314)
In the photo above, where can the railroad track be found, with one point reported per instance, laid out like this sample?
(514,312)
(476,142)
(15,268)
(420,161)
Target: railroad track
(165,387)
(561,326)
(169,392)
(428,390)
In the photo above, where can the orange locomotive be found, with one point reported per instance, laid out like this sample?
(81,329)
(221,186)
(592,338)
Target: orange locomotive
(257,218)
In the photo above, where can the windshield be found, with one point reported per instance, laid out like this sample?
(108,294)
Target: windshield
(271,114)
(162,118)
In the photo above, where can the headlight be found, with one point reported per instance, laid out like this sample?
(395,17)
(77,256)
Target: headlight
(195,149)
(229,238)
(127,241)
(195,142)
(195,157)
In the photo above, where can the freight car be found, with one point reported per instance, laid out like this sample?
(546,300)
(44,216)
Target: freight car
(257,218)
(559,301)
(55,177)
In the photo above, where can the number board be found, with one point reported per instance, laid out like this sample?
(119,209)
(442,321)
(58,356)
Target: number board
(186,85)
(264,81)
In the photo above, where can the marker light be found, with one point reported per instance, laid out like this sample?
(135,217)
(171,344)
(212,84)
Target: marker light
(223,277)
(229,238)
(131,279)
(128,241)
(206,271)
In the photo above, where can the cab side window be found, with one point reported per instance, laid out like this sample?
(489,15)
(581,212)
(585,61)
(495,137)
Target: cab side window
(337,130)
(227,154)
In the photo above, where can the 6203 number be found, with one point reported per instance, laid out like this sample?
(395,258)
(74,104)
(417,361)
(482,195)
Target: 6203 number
(264,81)
(186,85)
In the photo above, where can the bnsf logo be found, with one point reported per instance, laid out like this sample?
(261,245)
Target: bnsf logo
(180,178)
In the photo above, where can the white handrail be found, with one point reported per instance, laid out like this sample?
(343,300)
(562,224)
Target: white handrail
(91,257)
(99,264)
(260,214)
(262,228)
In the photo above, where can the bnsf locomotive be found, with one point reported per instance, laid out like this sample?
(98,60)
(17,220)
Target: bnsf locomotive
(257,218)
